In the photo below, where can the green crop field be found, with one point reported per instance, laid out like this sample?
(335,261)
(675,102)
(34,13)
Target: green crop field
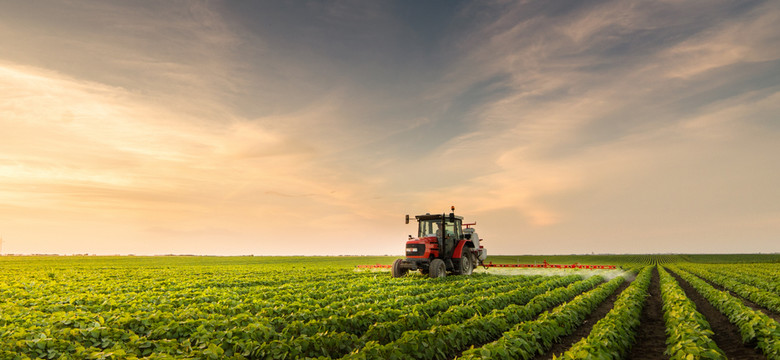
(706,307)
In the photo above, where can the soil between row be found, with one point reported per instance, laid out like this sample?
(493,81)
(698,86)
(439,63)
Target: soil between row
(651,336)
(726,335)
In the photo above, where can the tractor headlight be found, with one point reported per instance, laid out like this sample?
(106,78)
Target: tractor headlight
(415,249)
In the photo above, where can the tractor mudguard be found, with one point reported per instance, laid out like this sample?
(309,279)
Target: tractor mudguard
(459,249)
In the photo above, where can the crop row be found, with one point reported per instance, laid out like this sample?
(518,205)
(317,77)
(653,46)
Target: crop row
(529,338)
(766,299)
(355,315)
(419,320)
(770,271)
(197,327)
(296,311)
(754,326)
(337,341)
(688,332)
(207,301)
(749,274)
(443,342)
(612,336)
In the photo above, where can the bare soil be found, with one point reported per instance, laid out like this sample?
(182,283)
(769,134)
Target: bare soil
(566,342)
(651,336)
(726,335)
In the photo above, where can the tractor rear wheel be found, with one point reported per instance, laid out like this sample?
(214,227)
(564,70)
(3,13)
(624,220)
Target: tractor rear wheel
(399,271)
(466,265)
(437,269)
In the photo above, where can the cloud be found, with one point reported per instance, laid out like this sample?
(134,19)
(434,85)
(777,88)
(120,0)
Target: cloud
(113,139)
(177,56)
(577,125)
(85,150)
(583,115)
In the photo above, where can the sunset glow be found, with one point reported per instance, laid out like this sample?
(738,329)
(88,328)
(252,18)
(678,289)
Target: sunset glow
(313,128)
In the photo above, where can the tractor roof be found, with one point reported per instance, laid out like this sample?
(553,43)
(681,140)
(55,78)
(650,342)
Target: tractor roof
(435,217)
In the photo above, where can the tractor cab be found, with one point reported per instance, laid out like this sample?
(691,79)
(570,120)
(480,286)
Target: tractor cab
(440,229)
(441,246)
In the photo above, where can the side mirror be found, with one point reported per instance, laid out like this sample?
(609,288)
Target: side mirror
(407,218)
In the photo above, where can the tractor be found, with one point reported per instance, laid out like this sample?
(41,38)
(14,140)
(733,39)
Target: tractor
(443,245)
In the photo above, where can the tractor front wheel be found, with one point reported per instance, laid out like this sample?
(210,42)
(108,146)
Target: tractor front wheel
(437,269)
(399,271)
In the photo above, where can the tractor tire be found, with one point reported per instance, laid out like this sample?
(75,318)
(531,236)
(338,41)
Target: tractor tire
(437,269)
(398,271)
(465,264)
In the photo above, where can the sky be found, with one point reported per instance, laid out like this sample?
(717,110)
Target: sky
(313,127)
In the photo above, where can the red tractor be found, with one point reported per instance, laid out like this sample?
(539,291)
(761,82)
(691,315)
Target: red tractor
(442,246)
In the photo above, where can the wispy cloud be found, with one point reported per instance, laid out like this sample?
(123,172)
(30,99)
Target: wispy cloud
(602,94)
(579,125)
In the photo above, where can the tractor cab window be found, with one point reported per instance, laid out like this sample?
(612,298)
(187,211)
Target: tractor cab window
(453,229)
(429,228)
